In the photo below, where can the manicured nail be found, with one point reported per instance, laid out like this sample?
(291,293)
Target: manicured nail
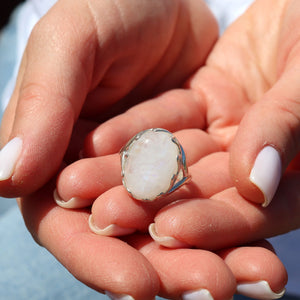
(110,230)
(202,294)
(118,296)
(167,241)
(74,202)
(258,290)
(8,157)
(266,173)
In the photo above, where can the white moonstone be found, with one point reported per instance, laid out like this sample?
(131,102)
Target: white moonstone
(149,164)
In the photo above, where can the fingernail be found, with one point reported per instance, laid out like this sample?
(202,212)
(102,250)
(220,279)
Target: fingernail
(74,202)
(202,294)
(110,230)
(9,156)
(266,173)
(167,241)
(118,296)
(258,290)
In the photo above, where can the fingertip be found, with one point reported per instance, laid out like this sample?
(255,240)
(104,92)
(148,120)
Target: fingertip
(34,154)
(266,173)
(267,141)
(9,156)
(198,294)
(110,230)
(196,280)
(240,169)
(256,156)
(114,296)
(166,241)
(257,181)
(86,179)
(74,202)
(259,290)
(259,272)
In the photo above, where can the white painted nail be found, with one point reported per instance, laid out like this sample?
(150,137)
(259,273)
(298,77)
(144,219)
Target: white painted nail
(202,294)
(258,290)
(74,202)
(9,156)
(266,173)
(118,296)
(110,230)
(166,241)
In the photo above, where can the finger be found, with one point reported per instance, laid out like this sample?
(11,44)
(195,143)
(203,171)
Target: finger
(108,50)
(268,136)
(227,219)
(188,273)
(79,184)
(115,213)
(55,77)
(53,87)
(258,271)
(103,263)
(83,181)
(174,110)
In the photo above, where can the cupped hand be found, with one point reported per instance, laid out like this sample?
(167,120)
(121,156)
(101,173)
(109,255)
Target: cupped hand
(209,116)
(137,266)
(109,262)
(218,100)
(82,58)
(245,98)
(225,96)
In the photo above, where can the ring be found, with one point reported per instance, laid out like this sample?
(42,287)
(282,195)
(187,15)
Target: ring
(153,164)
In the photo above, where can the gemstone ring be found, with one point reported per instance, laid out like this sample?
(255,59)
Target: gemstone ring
(153,164)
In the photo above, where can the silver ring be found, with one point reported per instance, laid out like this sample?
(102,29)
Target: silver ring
(153,164)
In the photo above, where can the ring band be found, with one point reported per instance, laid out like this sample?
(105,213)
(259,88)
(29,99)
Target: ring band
(153,164)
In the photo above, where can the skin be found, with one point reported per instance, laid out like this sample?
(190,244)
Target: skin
(219,100)
(215,101)
(72,73)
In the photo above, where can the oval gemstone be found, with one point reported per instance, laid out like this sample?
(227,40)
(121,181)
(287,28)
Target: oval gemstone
(149,164)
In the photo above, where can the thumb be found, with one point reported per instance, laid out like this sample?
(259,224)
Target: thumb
(268,138)
(50,91)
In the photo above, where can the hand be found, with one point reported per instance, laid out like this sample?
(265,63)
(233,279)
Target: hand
(80,60)
(137,266)
(227,106)
(224,220)
(251,88)
(216,99)
(265,68)
(251,76)
(43,229)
